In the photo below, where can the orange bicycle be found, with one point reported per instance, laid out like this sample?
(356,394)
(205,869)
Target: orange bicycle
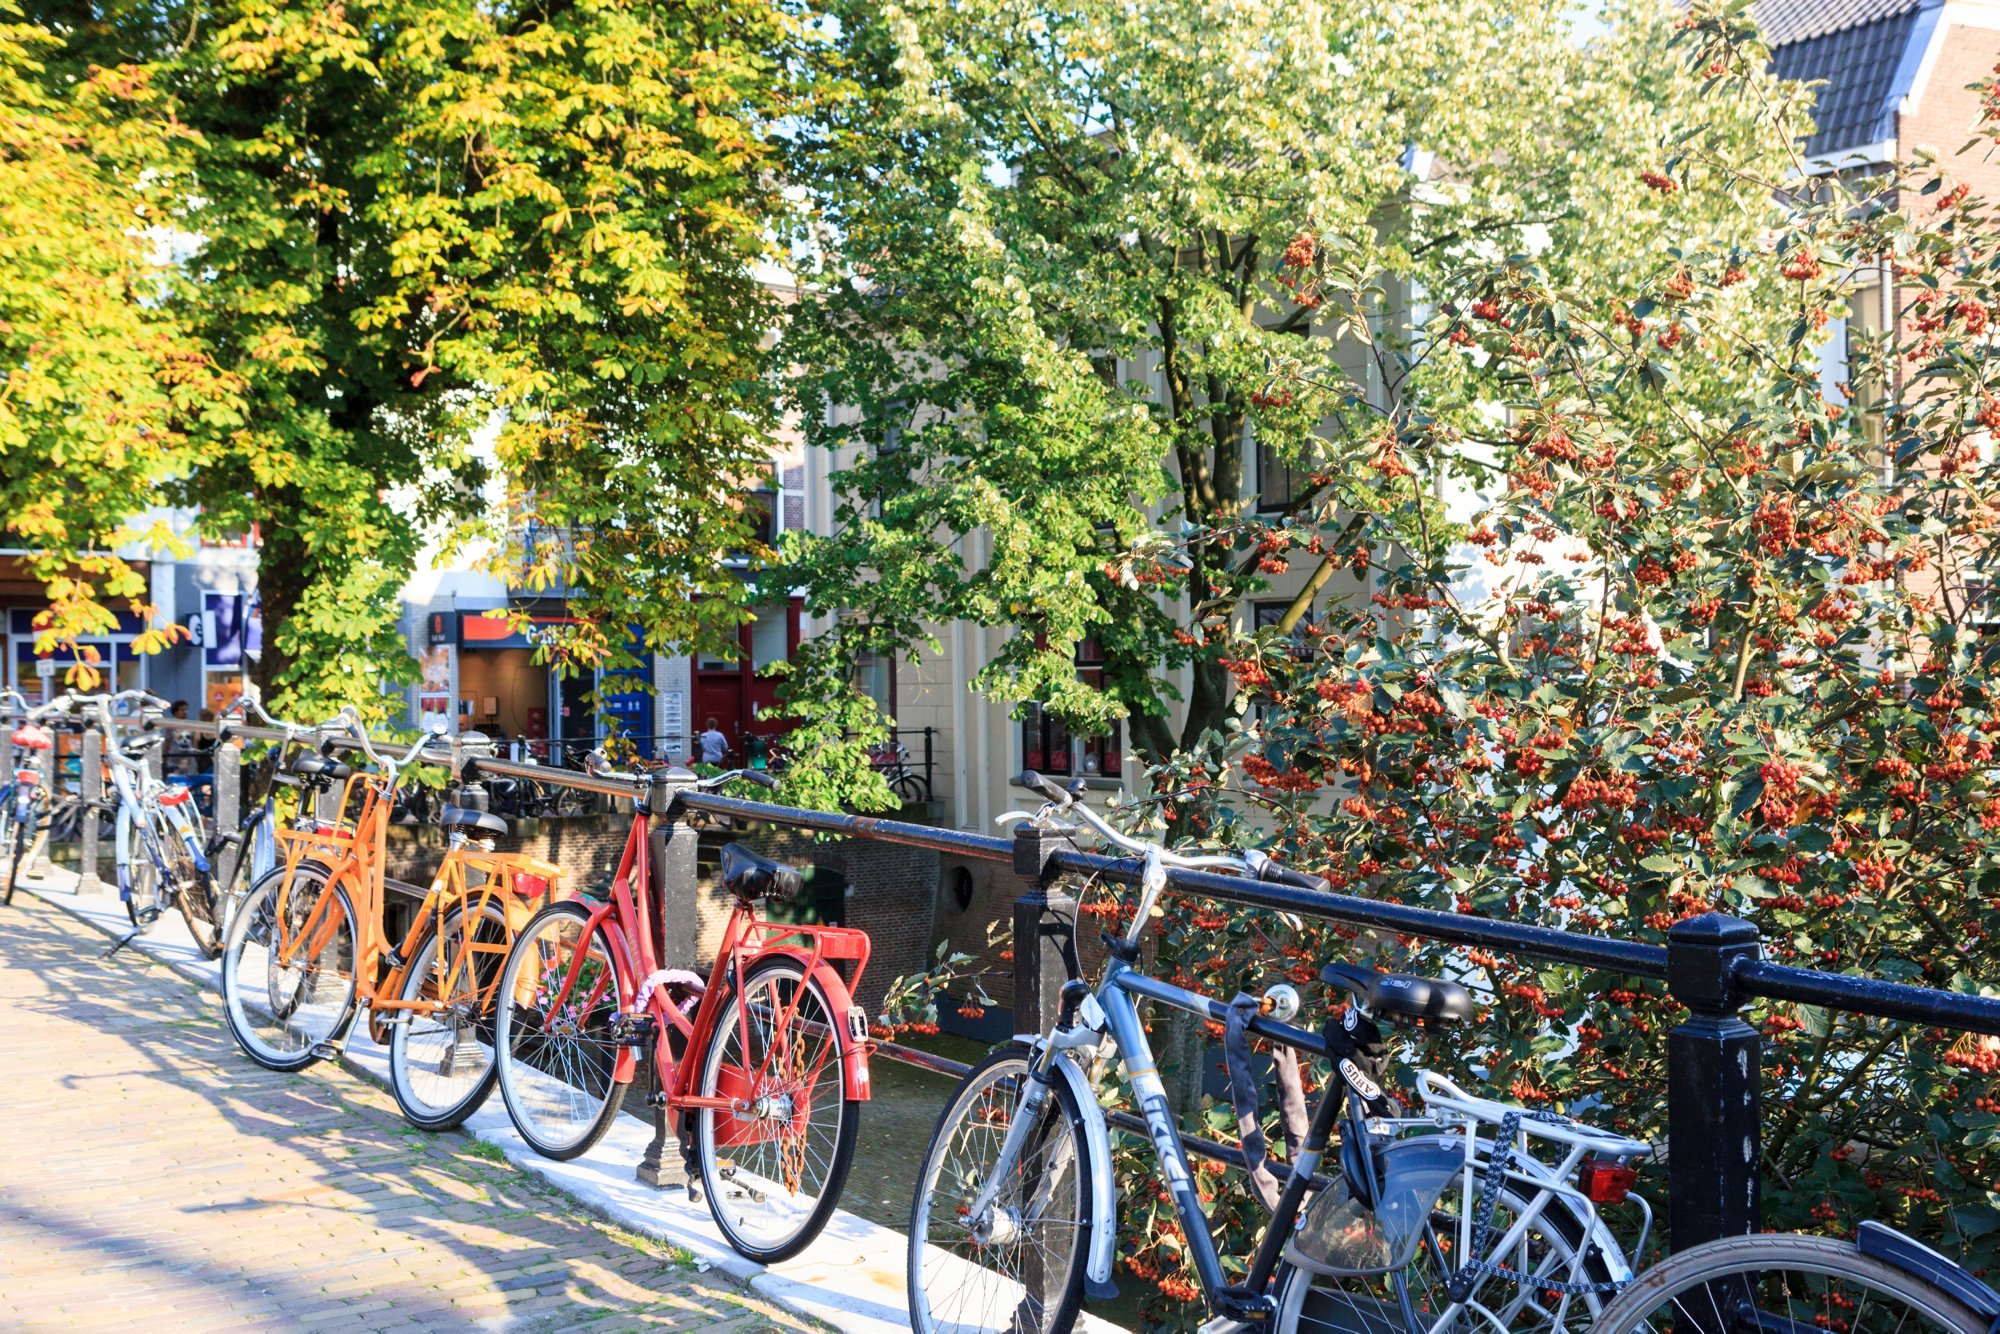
(307,950)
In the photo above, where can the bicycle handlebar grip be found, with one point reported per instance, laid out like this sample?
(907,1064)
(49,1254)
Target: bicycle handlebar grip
(759,777)
(1041,786)
(1279,875)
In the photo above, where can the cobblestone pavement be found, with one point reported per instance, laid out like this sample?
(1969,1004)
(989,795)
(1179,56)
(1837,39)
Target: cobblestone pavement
(152,1177)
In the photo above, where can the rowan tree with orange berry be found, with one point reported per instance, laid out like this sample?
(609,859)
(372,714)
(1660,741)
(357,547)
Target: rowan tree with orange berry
(1682,656)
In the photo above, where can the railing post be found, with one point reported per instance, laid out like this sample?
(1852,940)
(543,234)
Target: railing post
(91,784)
(1713,1084)
(676,916)
(1044,932)
(930,774)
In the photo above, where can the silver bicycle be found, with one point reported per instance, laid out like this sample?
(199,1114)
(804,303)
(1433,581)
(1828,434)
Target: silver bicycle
(1469,1215)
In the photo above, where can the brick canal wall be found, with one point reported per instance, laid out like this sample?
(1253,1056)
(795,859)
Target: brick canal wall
(887,890)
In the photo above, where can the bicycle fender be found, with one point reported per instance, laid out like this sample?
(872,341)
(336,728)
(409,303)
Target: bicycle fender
(854,1046)
(1103,1185)
(623,969)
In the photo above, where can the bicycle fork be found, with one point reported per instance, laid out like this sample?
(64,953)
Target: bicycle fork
(1049,1060)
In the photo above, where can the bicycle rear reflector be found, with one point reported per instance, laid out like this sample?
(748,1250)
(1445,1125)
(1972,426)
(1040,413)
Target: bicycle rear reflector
(1606,1181)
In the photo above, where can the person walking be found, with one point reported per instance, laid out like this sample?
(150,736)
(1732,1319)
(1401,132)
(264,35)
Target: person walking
(713,744)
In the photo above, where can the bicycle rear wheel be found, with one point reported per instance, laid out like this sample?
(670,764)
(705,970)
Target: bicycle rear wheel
(441,1061)
(286,992)
(1019,1271)
(1416,1300)
(556,1053)
(195,893)
(1755,1285)
(774,1169)
(142,889)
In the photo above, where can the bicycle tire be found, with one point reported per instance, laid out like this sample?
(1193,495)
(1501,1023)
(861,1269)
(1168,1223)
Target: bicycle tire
(8,796)
(195,895)
(1674,1283)
(142,890)
(910,789)
(1306,1306)
(21,842)
(941,1248)
(533,1091)
(250,984)
(466,1032)
(778,1162)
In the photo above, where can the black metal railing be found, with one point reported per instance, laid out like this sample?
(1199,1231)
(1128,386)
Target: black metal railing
(1712,964)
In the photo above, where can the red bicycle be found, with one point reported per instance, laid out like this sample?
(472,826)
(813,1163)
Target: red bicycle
(763,1065)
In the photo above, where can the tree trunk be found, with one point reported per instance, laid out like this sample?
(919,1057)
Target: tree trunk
(283,576)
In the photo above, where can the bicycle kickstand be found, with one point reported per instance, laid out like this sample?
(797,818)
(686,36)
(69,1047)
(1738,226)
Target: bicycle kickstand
(123,941)
(332,1049)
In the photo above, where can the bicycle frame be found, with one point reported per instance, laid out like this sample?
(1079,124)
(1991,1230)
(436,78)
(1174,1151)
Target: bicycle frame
(627,919)
(141,804)
(354,855)
(1112,1010)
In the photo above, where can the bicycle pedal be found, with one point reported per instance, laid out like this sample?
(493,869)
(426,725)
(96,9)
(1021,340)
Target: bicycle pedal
(326,1051)
(1222,1324)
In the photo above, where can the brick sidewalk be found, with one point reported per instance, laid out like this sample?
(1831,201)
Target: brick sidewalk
(152,1177)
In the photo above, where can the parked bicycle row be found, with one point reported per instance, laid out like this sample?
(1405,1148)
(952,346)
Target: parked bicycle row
(1453,1212)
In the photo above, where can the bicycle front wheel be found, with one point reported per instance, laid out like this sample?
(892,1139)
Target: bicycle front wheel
(774,1166)
(552,1031)
(441,1063)
(288,982)
(1752,1285)
(20,834)
(1019,1268)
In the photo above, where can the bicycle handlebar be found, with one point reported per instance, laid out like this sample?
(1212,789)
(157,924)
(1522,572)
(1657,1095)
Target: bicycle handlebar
(598,765)
(1250,860)
(348,721)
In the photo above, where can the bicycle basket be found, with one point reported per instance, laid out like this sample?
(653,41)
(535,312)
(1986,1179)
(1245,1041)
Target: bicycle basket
(1341,1235)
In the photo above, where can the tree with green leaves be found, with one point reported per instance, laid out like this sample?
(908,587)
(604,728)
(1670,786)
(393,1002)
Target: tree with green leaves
(1091,260)
(433,245)
(94,378)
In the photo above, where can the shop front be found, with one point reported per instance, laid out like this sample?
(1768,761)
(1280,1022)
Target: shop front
(503,691)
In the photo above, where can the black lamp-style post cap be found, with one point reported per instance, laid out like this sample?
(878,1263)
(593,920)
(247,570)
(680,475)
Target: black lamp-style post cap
(1703,953)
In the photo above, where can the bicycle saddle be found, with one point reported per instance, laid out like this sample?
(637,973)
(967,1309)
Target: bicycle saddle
(321,768)
(749,876)
(1401,994)
(473,822)
(30,737)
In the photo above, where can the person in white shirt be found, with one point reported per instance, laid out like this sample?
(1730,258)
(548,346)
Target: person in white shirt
(714,745)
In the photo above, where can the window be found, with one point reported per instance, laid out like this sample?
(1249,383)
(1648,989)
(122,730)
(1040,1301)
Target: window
(875,677)
(1100,755)
(1280,482)
(893,414)
(769,640)
(1049,747)
(1045,743)
(1268,614)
